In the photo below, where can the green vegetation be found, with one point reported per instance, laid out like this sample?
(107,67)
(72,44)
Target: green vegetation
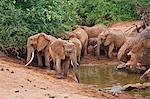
(21,18)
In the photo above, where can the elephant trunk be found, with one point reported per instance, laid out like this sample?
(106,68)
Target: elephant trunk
(75,68)
(98,49)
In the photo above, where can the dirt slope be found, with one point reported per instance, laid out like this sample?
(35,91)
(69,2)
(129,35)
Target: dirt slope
(20,82)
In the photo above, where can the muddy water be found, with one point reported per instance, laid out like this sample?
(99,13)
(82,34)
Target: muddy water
(106,76)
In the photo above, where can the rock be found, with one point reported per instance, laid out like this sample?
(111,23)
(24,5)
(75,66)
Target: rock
(121,66)
(139,86)
(66,97)
(12,72)
(116,88)
(130,68)
(43,88)
(16,91)
(29,80)
(51,96)
(2,69)
(99,89)
(7,69)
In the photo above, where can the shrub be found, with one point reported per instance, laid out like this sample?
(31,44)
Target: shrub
(23,18)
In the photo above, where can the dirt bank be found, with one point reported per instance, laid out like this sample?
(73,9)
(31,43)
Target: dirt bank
(18,81)
(91,60)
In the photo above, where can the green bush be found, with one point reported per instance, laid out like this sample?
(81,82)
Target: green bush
(23,18)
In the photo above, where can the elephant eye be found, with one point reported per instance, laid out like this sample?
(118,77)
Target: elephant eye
(69,51)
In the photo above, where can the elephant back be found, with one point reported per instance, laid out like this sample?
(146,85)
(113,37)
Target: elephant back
(50,38)
(57,48)
(82,35)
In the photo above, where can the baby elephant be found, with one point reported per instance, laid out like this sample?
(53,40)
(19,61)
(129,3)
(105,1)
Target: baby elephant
(93,43)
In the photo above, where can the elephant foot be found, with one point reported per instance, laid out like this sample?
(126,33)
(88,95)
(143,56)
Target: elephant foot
(110,56)
(51,68)
(110,59)
(59,76)
(36,66)
(40,65)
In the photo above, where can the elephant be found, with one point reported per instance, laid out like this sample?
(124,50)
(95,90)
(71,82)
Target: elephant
(146,75)
(100,40)
(94,30)
(125,48)
(72,37)
(114,39)
(139,23)
(139,53)
(63,53)
(82,36)
(93,42)
(131,41)
(39,42)
(115,34)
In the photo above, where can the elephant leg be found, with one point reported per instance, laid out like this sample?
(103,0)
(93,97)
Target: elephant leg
(122,53)
(79,56)
(47,57)
(39,56)
(85,47)
(98,49)
(111,47)
(52,65)
(94,53)
(66,67)
(133,60)
(58,67)
(106,53)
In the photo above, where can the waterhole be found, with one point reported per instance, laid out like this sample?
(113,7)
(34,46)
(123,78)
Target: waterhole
(106,76)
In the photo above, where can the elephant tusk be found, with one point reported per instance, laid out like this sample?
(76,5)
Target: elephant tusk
(30,59)
(95,46)
(76,80)
(71,63)
(76,63)
(130,53)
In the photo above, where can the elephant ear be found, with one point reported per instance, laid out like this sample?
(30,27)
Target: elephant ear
(109,39)
(76,34)
(41,42)
(58,48)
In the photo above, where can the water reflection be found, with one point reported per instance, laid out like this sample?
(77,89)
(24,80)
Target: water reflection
(106,76)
